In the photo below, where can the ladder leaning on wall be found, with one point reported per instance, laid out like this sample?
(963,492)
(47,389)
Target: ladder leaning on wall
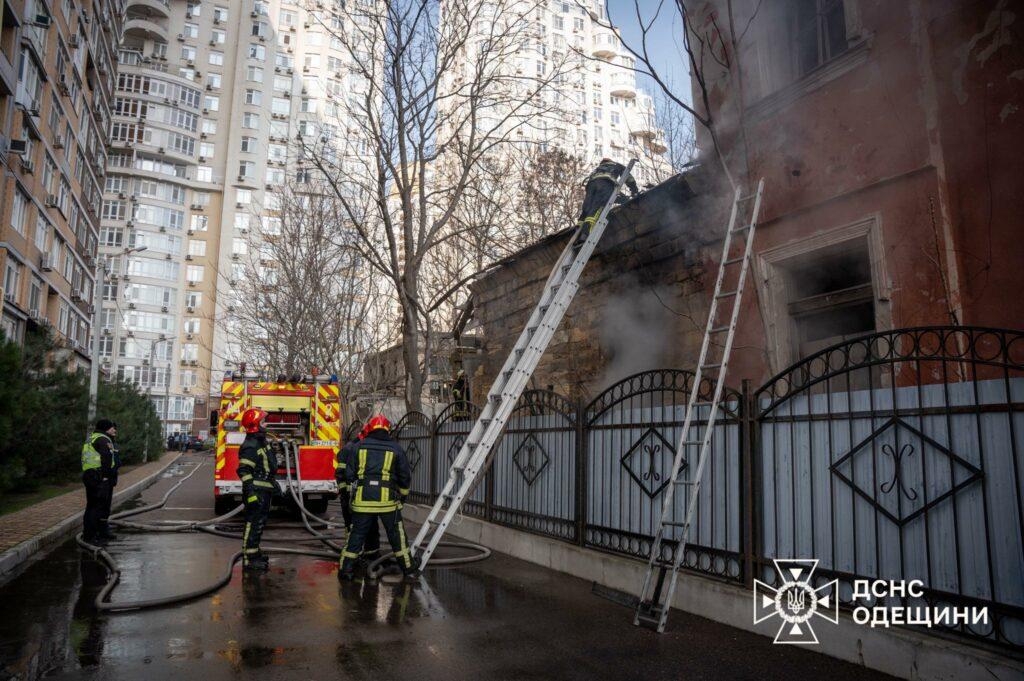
(474,455)
(655,596)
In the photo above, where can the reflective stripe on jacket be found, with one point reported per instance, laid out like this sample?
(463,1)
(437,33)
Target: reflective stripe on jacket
(257,464)
(378,471)
(92,458)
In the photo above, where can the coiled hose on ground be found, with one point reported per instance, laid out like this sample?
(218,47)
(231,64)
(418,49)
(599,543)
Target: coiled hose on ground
(374,570)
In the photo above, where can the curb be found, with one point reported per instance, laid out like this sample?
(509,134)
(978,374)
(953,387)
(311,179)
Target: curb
(18,556)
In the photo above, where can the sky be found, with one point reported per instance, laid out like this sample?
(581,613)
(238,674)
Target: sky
(664,40)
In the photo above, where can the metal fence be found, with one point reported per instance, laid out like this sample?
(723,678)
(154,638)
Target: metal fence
(892,456)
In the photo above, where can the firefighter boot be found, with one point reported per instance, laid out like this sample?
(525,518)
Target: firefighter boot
(256,563)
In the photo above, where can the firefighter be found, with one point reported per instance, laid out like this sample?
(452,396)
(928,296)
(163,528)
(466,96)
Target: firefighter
(378,472)
(372,544)
(100,461)
(460,388)
(600,186)
(257,469)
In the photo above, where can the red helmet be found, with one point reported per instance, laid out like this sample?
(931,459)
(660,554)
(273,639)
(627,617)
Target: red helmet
(377,422)
(252,419)
(364,431)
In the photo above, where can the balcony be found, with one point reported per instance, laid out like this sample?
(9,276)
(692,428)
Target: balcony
(160,8)
(606,46)
(146,29)
(623,85)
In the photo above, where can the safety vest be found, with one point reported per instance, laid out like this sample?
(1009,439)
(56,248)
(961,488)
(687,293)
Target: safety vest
(90,456)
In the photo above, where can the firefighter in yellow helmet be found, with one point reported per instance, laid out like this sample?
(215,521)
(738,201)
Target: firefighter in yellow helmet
(379,476)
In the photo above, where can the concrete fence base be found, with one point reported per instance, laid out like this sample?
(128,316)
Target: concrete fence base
(905,653)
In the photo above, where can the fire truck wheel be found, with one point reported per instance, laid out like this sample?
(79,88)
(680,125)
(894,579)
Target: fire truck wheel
(222,505)
(315,506)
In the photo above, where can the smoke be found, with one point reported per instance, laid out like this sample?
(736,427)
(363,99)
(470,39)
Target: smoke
(635,330)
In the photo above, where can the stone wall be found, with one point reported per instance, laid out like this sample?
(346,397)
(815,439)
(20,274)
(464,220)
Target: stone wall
(642,300)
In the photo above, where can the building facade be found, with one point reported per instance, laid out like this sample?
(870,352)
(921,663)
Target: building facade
(57,64)
(210,98)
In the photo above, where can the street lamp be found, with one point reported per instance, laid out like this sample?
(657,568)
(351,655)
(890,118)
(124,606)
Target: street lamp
(97,303)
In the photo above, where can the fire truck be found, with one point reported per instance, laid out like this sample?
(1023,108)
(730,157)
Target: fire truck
(305,410)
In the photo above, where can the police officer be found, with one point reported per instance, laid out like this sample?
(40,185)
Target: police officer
(378,473)
(257,469)
(371,546)
(600,186)
(100,461)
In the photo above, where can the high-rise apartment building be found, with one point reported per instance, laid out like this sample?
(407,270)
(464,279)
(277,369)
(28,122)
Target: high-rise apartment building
(210,99)
(57,62)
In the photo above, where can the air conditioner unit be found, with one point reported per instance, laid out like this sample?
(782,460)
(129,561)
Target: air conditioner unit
(186,389)
(192,283)
(216,21)
(131,306)
(190,309)
(213,42)
(193,362)
(181,37)
(202,159)
(205,110)
(107,332)
(191,62)
(254,14)
(162,228)
(58,142)
(209,87)
(122,196)
(188,336)
(27,165)
(17,147)
(202,135)
(241,178)
(190,232)
(42,20)
(131,334)
(51,201)
(263,38)
(167,257)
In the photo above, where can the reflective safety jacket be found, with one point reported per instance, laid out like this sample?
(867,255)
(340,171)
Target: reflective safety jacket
(99,453)
(611,171)
(378,472)
(257,465)
(339,472)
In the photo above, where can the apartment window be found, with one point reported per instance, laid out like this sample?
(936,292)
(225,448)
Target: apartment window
(19,211)
(194,273)
(249,144)
(260,29)
(12,280)
(35,294)
(257,52)
(242,221)
(188,53)
(286,18)
(199,223)
(246,169)
(277,152)
(112,237)
(261,8)
(311,61)
(308,105)
(243,196)
(239,246)
(577,24)
(204,174)
(218,36)
(820,32)
(209,127)
(275,175)
(193,9)
(197,248)
(189,351)
(254,97)
(188,378)
(201,198)
(216,58)
(220,13)
(207,149)
(214,80)
(254,74)
(42,233)
(279,129)
(250,120)
(190,30)
(212,102)
(281,106)
(194,299)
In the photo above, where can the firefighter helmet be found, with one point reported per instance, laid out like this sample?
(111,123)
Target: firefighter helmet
(252,419)
(377,422)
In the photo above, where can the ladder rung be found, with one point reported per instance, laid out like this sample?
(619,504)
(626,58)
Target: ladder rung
(720,329)
(693,442)
(727,294)
(544,308)
(747,197)
(742,229)
(566,268)
(520,351)
(675,523)
(508,374)
(686,482)
(732,261)
(532,329)
(711,366)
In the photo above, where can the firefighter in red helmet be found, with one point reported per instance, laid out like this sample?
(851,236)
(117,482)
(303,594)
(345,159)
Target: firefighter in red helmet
(379,476)
(257,469)
(371,547)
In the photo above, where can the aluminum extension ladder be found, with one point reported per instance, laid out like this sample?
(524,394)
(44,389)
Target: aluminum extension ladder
(474,455)
(655,599)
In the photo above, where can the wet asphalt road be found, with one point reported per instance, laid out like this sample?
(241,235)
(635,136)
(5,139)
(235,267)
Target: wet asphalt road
(499,619)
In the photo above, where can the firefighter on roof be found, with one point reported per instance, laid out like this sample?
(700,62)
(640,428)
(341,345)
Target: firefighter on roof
(257,468)
(100,462)
(600,186)
(378,473)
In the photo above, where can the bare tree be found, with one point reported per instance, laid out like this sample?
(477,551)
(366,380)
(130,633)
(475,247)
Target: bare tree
(433,90)
(301,294)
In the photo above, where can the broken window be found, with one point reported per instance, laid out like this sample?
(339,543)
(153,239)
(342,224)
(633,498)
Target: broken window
(831,296)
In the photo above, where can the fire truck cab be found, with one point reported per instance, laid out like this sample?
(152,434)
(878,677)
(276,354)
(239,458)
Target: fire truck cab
(306,411)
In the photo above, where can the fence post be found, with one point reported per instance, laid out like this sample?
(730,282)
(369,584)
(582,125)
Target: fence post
(432,449)
(581,472)
(748,499)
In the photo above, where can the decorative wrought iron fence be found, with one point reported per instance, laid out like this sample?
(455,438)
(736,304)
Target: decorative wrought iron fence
(892,456)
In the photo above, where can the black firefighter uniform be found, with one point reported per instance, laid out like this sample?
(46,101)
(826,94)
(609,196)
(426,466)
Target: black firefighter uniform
(257,469)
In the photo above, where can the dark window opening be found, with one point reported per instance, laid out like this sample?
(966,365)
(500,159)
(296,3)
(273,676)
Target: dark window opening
(820,33)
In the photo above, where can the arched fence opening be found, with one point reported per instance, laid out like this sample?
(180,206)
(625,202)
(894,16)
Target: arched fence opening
(893,456)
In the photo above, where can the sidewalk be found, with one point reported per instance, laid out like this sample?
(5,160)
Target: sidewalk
(25,532)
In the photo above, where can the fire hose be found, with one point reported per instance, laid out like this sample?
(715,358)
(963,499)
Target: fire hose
(374,570)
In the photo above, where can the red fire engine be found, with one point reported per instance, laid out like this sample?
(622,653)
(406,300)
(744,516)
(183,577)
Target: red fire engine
(306,411)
